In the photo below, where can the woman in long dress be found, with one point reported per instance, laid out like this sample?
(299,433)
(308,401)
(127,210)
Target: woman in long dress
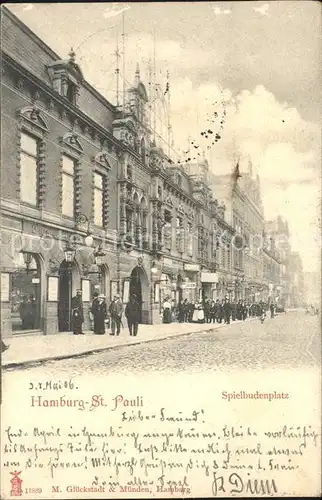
(166,311)
(99,312)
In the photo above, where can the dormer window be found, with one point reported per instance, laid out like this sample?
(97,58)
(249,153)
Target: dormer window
(66,77)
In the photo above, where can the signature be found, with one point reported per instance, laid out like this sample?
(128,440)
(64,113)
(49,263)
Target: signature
(236,484)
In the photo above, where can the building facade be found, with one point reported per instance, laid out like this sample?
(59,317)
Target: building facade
(90,202)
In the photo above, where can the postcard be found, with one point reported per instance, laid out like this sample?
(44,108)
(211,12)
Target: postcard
(160,250)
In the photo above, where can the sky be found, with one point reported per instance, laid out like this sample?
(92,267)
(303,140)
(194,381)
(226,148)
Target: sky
(254,66)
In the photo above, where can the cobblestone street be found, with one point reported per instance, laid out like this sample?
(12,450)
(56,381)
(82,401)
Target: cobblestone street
(287,341)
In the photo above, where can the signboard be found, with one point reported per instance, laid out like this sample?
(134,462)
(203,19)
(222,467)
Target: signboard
(35,281)
(192,267)
(209,278)
(157,292)
(126,290)
(52,289)
(189,285)
(86,290)
(167,262)
(5,286)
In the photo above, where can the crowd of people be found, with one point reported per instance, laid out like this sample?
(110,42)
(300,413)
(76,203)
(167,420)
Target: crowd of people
(215,311)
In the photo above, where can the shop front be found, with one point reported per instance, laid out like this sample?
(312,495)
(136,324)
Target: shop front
(208,285)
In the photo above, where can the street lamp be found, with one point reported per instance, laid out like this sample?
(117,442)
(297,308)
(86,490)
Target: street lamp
(27,257)
(154,268)
(99,255)
(70,253)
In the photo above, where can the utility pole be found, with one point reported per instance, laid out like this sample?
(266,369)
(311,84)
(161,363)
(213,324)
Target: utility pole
(154,86)
(117,72)
(123,47)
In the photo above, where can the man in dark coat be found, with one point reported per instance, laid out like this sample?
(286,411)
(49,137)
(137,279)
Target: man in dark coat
(233,310)
(207,309)
(240,310)
(191,308)
(181,308)
(132,313)
(77,313)
(116,311)
(99,312)
(227,311)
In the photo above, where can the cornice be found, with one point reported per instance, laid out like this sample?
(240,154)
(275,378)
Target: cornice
(76,111)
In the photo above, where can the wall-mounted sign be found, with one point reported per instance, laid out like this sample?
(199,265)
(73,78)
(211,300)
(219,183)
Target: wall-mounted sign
(157,292)
(126,290)
(52,289)
(5,287)
(167,262)
(192,267)
(189,285)
(209,278)
(36,281)
(86,290)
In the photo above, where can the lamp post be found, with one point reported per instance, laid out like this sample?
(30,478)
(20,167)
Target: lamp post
(70,253)
(27,257)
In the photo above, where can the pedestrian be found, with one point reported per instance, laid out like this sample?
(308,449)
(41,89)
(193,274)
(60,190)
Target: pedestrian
(132,313)
(167,311)
(181,311)
(191,308)
(207,310)
(116,311)
(99,311)
(271,307)
(239,310)
(185,311)
(91,316)
(233,309)
(200,313)
(227,311)
(244,310)
(77,313)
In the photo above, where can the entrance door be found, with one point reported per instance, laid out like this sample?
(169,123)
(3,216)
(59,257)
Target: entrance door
(65,298)
(136,288)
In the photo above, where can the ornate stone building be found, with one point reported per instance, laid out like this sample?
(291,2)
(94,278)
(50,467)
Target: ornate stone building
(89,201)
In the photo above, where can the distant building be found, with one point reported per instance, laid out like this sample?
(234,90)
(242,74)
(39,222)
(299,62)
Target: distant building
(312,288)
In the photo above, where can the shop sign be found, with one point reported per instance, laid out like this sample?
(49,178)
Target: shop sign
(192,267)
(35,281)
(167,262)
(209,278)
(189,285)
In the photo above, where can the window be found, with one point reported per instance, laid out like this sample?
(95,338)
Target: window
(71,92)
(99,199)
(29,169)
(190,239)
(68,195)
(167,229)
(179,234)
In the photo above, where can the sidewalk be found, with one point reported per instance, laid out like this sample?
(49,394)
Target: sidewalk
(30,349)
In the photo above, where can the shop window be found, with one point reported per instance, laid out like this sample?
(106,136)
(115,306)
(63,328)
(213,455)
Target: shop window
(99,187)
(68,186)
(29,169)
(25,294)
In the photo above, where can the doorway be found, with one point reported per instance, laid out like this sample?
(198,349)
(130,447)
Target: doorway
(65,298)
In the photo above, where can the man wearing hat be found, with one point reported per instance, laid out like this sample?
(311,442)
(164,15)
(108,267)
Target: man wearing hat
(132,313)
(116,310)
(77,313)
